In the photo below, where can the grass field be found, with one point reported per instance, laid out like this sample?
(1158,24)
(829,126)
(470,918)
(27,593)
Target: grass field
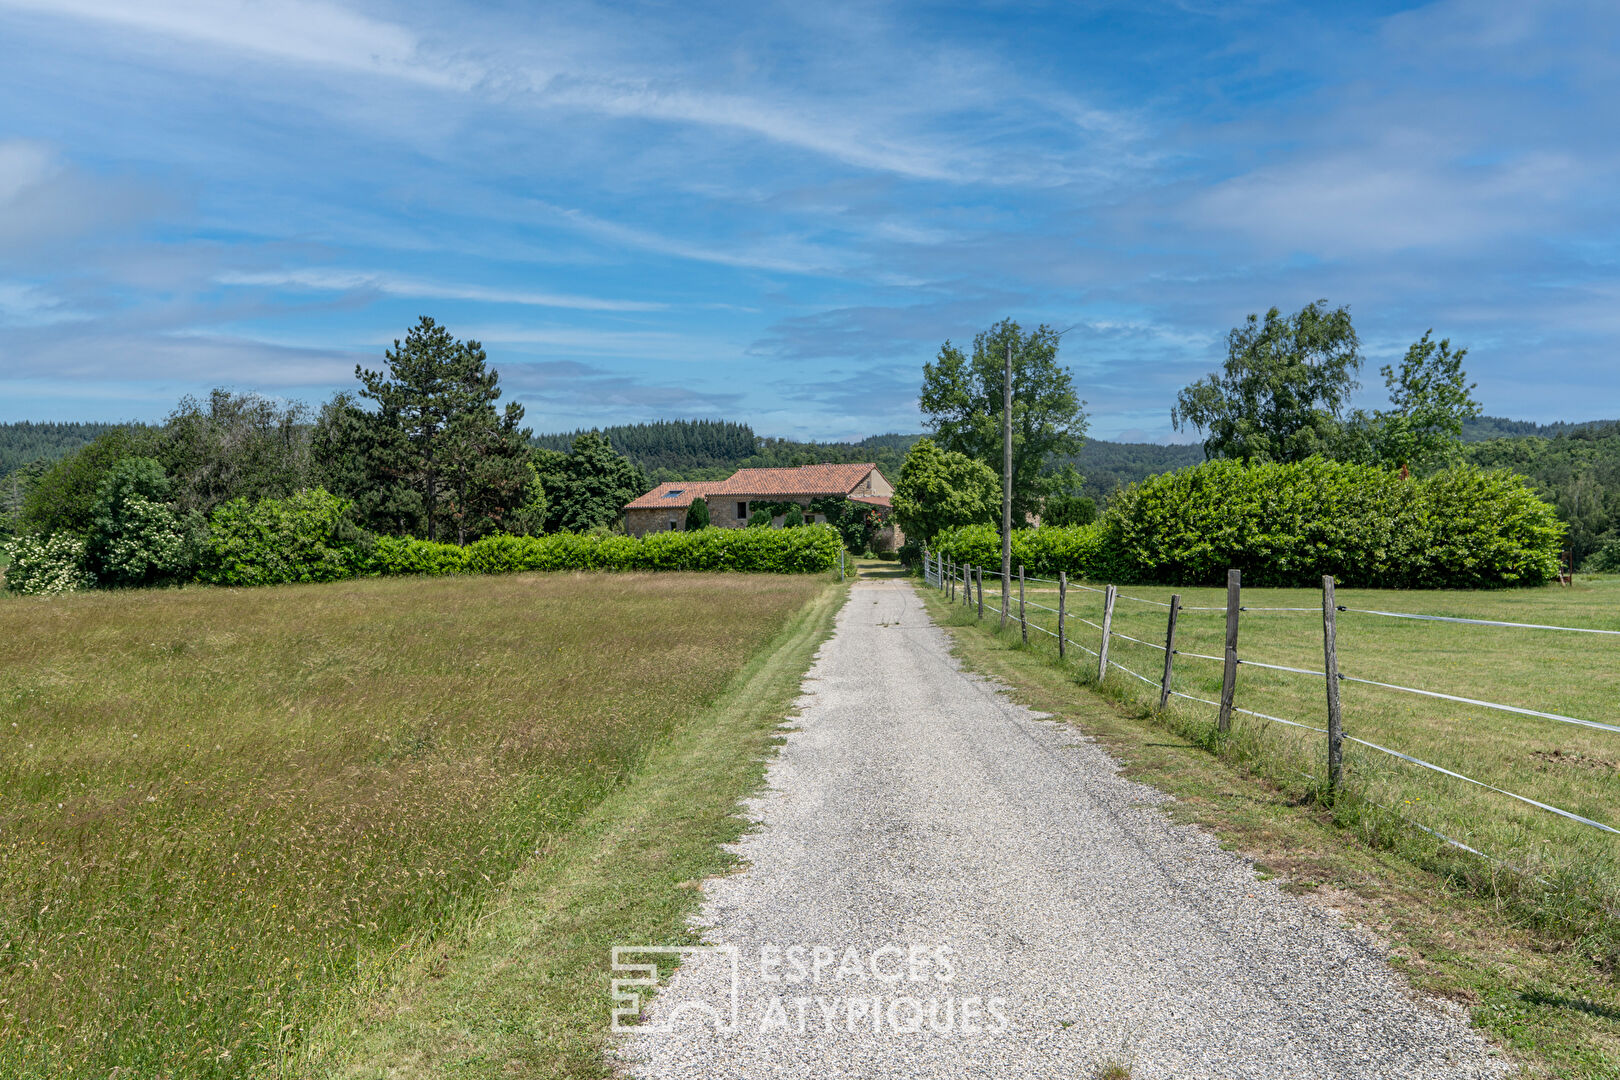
(1562,872)
(224,813)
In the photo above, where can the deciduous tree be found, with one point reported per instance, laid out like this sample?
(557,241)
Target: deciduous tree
(940,489)
(962,396)
(1282,390)
(1432,397)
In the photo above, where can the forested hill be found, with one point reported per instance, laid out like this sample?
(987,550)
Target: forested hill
(713,449)
(1480,428)
(27,441)
(1577,470)
(672,445)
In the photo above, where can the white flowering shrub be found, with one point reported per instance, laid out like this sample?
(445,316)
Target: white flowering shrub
(144,543)
(46,565)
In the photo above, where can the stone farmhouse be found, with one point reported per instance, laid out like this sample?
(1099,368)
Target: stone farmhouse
(731,500)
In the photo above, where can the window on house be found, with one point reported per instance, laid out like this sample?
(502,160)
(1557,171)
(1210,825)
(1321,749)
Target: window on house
(742,510)
(672,492)
(673,524)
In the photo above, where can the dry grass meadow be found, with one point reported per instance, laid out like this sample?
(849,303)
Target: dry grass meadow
(221,809)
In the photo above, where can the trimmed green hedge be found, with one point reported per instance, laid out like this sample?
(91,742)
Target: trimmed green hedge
(807,550)
(1288,524)
(1076,550)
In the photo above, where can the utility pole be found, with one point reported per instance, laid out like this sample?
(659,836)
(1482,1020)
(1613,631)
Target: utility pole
(1006,485)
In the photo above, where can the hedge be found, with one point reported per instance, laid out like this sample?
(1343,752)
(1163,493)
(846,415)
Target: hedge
(806,550)
(1289,524)
(1077,550)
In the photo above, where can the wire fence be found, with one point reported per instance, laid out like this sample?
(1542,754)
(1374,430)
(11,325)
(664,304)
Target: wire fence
(942,573)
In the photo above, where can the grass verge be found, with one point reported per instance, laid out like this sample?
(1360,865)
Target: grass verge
(522,992)
(1544,995)
(220,810)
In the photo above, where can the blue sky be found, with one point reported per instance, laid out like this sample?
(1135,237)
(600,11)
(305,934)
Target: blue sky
(777,212)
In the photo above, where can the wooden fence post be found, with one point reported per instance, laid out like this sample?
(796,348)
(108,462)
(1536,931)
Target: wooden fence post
(967,584)
(1063,597)
(1023,623)
(1330,664)
(1169,649)
(1108,622)
(1234,604)
(978,583)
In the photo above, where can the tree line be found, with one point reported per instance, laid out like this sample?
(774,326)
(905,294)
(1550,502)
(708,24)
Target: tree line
(423,448)
(1282,396)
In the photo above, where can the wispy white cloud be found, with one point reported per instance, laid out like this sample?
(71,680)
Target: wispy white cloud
(392,285)
(1387,199)
(44,202)
(922,130)
(302,31)
(787,255)
(23,304)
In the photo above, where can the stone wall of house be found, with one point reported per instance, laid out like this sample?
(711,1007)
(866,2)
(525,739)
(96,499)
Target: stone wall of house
(888,538)
(639,522)
(874,484)
(723,509)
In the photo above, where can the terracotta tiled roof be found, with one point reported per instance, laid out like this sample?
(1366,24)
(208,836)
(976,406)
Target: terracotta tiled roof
(873,500)
(677,494)
(804,480)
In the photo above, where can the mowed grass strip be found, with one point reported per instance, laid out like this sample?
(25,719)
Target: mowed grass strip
(1543,985)
(523,991)
(219,808)
(1571,871)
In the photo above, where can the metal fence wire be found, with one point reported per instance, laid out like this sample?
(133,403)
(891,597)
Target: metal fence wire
(940,572)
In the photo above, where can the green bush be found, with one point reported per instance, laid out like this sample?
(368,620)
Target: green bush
(391,555)
(697,515)
(760,518)
(793,518)
(1289,524)
(304,537)
(46,565)
(811,549)
(136,538)
(1605,560)
(1076,550)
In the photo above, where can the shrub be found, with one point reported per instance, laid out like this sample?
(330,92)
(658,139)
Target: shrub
(407,555)
(1288,524)
(697,515)
(136,539)
(794,517)
(1069,509)
(810,549)
(46,565)
(760,518)
(1076,550)
(304,537)
(1605,560)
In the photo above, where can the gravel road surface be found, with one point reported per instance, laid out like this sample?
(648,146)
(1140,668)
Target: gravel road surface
(945,884)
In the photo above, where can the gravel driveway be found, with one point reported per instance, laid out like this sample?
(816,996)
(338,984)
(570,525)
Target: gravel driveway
(933,856)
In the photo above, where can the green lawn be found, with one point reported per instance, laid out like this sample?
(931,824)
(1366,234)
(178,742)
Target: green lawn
(228,815)
(1572,869)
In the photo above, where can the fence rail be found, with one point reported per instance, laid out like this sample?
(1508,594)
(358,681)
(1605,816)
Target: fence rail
(941,573)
